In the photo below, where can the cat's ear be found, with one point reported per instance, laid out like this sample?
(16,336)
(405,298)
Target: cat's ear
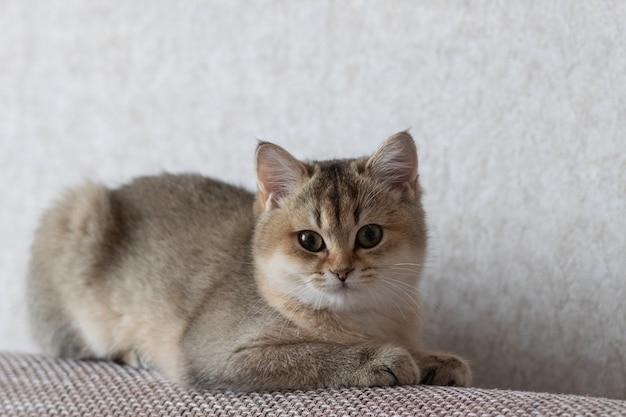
(278,174)
(395,164)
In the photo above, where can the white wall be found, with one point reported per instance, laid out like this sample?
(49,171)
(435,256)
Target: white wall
(518,108)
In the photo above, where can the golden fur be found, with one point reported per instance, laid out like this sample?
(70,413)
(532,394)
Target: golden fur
(310,283)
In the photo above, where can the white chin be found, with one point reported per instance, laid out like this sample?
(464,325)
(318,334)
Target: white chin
(336,298)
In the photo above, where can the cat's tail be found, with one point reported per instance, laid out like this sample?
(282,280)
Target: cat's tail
(74,241)
(85,220)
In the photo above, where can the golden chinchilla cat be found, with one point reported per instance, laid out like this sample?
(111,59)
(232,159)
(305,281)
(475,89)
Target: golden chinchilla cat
(310,283)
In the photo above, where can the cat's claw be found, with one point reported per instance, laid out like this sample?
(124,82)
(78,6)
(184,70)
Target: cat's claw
(389,365)
(445,370)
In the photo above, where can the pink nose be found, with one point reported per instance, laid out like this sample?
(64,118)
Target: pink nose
(342,273)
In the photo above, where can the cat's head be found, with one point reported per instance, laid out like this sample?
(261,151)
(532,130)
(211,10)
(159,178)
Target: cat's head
(344,235)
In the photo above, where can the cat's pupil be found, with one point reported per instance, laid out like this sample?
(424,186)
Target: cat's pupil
(311,241)
(369,236)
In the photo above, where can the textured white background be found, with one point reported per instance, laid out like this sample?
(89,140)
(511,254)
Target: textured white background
(518,108)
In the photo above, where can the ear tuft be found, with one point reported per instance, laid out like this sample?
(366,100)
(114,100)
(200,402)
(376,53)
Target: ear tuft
(395,164)
(278,174)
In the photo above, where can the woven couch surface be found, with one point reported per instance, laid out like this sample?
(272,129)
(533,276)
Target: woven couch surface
(32,385)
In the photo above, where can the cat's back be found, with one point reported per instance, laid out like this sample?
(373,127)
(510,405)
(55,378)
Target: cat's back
(184,195)
(185,223)
(168,204)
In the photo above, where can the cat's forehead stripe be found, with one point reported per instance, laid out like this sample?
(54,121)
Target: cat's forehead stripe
(337,189)
(357,214)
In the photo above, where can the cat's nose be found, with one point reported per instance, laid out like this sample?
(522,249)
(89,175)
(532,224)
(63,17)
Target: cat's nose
(342,273)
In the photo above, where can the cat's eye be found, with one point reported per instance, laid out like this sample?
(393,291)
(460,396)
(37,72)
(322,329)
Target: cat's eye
(311,241)
(369,236)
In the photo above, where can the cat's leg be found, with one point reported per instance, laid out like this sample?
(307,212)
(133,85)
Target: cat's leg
(307,366)
(439,368)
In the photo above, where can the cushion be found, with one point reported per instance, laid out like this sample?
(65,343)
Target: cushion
(35,385)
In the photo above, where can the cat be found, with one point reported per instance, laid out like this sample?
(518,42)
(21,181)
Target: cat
(310,283)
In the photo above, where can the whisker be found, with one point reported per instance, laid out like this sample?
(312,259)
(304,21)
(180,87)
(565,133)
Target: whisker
(404,269)
(409,297)
(399,283)
(282,329)
(393,300)
(409,302)
(250,310)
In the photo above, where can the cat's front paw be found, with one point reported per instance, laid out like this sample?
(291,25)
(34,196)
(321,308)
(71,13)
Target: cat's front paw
(387,365)
(444,369)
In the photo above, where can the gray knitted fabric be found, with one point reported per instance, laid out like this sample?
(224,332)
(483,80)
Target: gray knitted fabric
(32,385)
